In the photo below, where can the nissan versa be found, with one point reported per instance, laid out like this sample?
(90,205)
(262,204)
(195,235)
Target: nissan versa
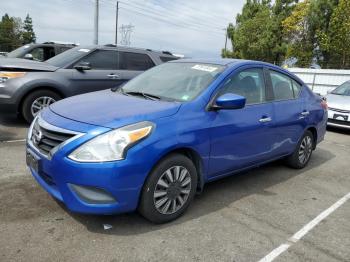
(152,143)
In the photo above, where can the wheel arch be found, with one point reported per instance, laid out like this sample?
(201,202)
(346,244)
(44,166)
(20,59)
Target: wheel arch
(194,156)
(37,88)
(313,130)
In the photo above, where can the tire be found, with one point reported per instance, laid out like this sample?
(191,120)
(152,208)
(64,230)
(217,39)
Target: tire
(159,204)
(304,148)
(44,97)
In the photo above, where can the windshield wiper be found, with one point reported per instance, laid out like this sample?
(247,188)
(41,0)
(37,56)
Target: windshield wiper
(145,95)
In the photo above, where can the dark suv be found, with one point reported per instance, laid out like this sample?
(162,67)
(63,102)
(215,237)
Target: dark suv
(40,52)
(27,86)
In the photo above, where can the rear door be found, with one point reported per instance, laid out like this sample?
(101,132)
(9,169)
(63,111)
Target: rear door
(103,74)
(289,110)
(132,64)
(242,137)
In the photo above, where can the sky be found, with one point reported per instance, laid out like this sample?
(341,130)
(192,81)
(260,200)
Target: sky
(194,28)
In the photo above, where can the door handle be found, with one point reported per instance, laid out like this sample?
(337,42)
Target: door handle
(305,113)
(265,119)
(113,76)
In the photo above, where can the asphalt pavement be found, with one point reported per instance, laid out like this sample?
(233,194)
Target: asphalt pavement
(241,218)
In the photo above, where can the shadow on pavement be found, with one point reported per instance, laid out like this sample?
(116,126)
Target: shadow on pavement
(216,195)
(12,127)
(343,131)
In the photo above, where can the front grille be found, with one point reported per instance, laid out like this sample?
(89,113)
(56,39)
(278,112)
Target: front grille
(339,122)
(339,110)
(46,137)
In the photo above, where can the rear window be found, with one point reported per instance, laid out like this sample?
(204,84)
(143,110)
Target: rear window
(165,59)
(102,60)
(284,87)
(134,61)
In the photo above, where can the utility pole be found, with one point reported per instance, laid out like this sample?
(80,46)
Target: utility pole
(96,23)
(226,40)
(116,23)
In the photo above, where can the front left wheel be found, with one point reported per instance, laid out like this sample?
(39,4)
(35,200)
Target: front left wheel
(169,189)
(37,101)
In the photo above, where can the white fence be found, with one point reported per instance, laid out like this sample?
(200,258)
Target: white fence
(321,80)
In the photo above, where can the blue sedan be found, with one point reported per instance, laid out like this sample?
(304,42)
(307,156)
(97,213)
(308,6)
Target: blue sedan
(151,144)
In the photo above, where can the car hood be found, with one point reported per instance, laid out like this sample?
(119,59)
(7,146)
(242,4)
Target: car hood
(338,101)
(111,109)
(25,65)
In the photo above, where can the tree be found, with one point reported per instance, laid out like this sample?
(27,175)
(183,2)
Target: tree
(28,34)
(258,31)
(297,31)
(319,19)
(338,42)
(280,11)
(10,33)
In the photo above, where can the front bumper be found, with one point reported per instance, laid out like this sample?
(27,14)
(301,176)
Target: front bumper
(94,188)
(61,178)
(338,119)
(7,105)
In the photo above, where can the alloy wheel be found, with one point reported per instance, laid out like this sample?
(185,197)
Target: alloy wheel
(172,190)
(305,149)
(40,103)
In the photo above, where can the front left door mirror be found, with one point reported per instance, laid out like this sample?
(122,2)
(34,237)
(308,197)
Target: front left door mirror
(229,101)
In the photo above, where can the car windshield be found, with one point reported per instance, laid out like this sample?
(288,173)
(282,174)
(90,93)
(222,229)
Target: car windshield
(179,81)
(68,56)
(343,90)
(19,52)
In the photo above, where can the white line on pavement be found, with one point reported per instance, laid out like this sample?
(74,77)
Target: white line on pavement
(13,141)
(302,232)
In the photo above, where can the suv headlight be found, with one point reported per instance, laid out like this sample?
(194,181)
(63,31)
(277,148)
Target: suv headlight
(112,146)
(4,76)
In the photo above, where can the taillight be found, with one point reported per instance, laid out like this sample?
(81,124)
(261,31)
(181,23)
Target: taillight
(324,104)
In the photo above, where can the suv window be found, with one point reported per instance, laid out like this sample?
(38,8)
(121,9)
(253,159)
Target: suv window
(37,53)
(134,61)
(248,83)
(284,87)
(165,59)
(102,60)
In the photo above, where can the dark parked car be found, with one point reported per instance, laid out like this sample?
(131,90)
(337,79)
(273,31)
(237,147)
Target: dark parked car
(40,52)
(26,86)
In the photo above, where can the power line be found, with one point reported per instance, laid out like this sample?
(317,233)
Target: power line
(184,8)
(166,13)
(158,19)
(147,11)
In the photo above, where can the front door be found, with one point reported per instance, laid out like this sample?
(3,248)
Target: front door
(103,74)
(243,137)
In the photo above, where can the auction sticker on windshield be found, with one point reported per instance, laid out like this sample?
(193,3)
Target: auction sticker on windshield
(206,68)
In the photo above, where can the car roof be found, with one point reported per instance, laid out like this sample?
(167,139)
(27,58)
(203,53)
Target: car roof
(221,61)
(126,48)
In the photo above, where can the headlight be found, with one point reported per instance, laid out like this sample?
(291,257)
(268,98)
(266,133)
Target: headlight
(112,145)
(4,76)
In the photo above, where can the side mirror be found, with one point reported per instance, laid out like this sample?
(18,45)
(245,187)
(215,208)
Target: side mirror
(83,66)
(28,56)
(229,101)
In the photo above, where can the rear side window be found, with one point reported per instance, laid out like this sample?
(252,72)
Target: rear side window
(102,60)
(134,61)
(284,87)
(165,59)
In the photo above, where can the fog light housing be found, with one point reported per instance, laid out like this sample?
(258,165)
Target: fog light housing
(92,195)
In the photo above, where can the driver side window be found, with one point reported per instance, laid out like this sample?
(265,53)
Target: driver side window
(248,83)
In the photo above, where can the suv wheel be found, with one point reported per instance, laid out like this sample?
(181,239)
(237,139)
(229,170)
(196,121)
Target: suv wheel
(169,189)
(36,101)
(303,152)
